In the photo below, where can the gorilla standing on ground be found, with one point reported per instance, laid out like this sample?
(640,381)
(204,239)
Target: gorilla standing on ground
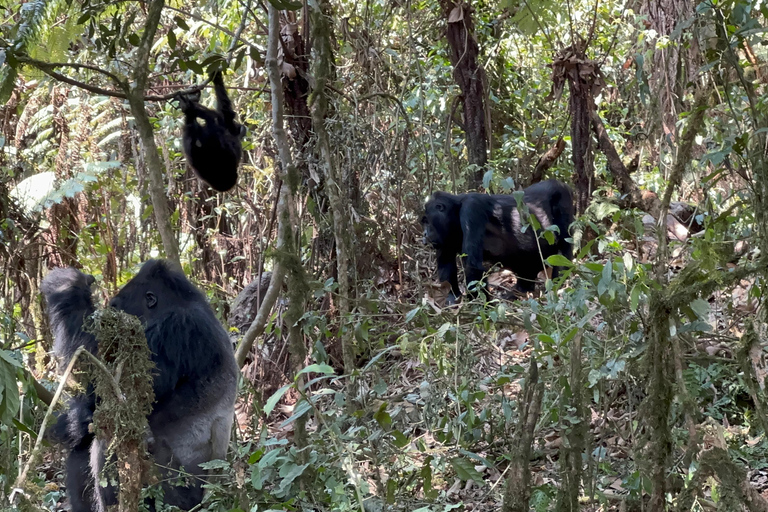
(212,147)
(195,383)
(488,228)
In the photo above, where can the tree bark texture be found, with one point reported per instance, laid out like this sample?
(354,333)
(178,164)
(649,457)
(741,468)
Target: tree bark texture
(517,495)
(673,65)
(470,77)
(580,104)
(288,257)
(338,192)
(160,205)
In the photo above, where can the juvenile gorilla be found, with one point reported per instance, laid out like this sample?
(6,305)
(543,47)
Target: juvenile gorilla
(488,228)
(213,147)
(195,381)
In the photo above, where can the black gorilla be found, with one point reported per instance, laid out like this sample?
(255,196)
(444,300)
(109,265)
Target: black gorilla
(67,292)
(488,228)
(212,148)
(195,383)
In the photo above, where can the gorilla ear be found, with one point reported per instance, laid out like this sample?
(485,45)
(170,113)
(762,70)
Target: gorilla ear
(440,207)
(151,300)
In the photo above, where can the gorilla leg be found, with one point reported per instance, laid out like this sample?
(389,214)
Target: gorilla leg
(78,478)
(103,496)
(448,271)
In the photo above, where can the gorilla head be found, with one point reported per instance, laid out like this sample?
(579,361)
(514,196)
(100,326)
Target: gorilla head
(156,291)
(67,293)
(441,219)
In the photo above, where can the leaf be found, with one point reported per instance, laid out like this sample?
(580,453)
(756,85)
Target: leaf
(426,475)
(181,23)
(286,5)
(456,15)
(701,308)
(634,297)
(290,475)
(9,393)
(558,260)
(400,439)
(276,396)
(466,470)
(318,368)
(171,40)
(382,417)
(412,313)
(488,176)
(299,410)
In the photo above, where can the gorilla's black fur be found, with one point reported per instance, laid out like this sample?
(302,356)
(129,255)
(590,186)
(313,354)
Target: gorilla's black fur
(195,382)
(487,228)
(213,148)
(67,292)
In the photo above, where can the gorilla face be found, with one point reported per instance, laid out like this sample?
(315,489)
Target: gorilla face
(136,299)
(441,218)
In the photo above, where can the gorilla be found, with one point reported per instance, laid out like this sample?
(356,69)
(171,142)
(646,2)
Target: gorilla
(488,228)
(195,381)
(213,147)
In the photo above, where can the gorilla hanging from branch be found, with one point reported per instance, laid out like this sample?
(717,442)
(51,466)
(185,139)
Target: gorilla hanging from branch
(195,383)
(212,138)
(488,228)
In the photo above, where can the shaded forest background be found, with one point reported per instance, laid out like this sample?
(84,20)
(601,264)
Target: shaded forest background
(635,382)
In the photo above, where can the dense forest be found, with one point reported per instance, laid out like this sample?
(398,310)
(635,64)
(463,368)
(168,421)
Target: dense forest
(406,255)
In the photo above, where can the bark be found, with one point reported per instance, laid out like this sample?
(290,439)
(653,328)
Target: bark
(517,495)
(547,160)
(470,77)
(289,258)
(580,105)
(674,65)
(161,208)
(571,466)
(338,193)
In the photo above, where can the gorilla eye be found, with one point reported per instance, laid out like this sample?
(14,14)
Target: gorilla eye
(441,207)
(151,300)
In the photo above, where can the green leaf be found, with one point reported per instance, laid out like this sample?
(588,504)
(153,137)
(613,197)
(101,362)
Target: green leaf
(382,417)
(400,438)
(276,396)
(412,313)
(9,393)
(466,470)
(171,40)
(634,297)
(290,472)
(558,260)
(487,177)
(181,23)
(426,475)
(318,368)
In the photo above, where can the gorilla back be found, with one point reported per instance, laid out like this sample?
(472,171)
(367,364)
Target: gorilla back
(212,147)
(488,228)
(195,383)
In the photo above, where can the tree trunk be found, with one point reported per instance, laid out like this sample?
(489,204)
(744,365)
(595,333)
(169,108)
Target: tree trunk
(580,105)
(338,192)
(289,258)
(470,77)
(160,205)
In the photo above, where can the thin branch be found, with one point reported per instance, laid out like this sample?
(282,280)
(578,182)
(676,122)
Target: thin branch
(18,486)
(217,26)
(48,69)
